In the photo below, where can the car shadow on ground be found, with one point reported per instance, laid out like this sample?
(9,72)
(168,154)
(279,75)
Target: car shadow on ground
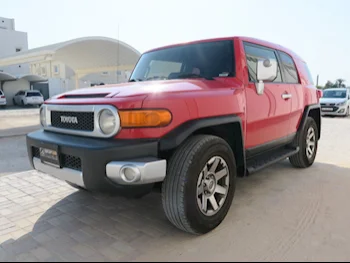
(93,227)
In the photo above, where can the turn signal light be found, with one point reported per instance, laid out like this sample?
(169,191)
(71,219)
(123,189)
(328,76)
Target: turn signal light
(144,118)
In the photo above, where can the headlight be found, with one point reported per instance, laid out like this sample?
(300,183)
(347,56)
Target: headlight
(107,122)
(43,116)
(341,103)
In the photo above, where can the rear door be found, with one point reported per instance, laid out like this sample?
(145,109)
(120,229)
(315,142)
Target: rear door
(291,77)
(268,121)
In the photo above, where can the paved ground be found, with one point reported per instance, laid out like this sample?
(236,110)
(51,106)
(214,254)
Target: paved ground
(281,213)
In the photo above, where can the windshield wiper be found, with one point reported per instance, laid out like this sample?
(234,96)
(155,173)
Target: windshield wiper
(135,80)
(192,75)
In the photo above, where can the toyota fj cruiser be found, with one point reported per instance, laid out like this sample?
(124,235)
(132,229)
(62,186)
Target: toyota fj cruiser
(192,117)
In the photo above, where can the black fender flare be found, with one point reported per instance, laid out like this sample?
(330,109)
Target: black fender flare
(177,136)
(306,113)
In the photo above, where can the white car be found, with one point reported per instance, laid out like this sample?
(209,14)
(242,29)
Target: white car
(336,102)
(2,99)
(28,97)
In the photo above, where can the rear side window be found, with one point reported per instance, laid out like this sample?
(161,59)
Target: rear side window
(309,76)
(291,74)
(1,93)
(253,54)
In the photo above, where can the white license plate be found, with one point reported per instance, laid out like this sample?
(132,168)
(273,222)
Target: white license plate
(327,109)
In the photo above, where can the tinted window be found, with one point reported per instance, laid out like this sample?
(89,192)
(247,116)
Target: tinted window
(210,59)
(289,68)
(33,94)
(309,76)
(336,94)
(253,54)
(1,93)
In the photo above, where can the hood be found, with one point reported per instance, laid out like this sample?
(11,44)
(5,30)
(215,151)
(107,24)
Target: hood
(143,88)
(332,100)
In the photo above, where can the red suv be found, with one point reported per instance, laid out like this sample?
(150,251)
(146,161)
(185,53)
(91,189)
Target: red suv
(192,118)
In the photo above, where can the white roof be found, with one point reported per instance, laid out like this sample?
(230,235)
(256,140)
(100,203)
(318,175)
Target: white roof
(80,54)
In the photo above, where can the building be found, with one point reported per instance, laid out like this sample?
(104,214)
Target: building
(61,67)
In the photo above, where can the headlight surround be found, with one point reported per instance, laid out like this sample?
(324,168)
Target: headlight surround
(341,103)
(43,116)
(107,122)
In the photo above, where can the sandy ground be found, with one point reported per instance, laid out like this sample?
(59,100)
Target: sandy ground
(278,214)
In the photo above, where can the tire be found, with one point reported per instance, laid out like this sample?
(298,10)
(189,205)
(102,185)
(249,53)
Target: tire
(180,193)
(347,112)
(303,159)
(14,102)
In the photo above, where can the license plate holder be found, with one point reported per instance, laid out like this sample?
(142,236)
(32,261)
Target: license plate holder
(50,155)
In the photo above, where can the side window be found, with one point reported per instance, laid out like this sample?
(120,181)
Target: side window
(253,54)
(309,76)
(289,68)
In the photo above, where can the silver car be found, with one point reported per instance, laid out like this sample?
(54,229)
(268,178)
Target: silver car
(2,100)
(336,102)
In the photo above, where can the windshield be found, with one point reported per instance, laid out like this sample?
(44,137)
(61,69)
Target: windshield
(336,94)
(204,60)
(33,94)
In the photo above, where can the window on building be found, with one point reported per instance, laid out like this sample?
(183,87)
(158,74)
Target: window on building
(18,49)
(290,70)
(56,69)
(253,54)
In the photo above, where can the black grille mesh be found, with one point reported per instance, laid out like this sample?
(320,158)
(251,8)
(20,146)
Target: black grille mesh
(85,120)
(36,152)
(71,162)
(67,161)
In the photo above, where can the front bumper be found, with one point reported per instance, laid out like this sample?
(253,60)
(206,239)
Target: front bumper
(333,111)
(99,164)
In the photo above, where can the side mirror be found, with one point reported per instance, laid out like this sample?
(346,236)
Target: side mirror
(266,71)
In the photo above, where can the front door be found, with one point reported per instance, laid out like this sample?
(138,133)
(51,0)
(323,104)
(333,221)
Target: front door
(268,115)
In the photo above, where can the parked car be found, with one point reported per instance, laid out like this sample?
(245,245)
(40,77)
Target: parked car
(193,117)
(2,99)
(336,102)
(28,97)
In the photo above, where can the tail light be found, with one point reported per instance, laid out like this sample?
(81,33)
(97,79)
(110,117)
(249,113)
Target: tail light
(3,97)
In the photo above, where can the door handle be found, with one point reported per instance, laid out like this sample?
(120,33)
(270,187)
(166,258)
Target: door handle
(286,96)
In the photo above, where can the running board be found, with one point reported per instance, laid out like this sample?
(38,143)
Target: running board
(270,158)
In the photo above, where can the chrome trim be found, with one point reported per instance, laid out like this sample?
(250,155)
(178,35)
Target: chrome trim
(150,172)
(97,109)
(63,174)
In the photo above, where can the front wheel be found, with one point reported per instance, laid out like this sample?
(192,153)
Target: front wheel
(200,184)
(308,144)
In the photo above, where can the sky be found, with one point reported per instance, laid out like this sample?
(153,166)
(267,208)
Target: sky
(317,30)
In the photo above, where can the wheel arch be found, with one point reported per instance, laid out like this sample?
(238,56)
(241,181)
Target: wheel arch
(313,111)
(228,128)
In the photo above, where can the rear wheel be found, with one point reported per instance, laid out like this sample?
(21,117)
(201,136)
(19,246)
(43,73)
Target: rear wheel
(199,187)
(308,144)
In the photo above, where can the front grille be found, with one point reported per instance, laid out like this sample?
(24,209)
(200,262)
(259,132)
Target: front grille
(71,162)
(84,120)
(327,104)
(67,161)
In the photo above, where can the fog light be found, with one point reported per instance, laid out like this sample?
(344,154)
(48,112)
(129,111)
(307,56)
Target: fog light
(130,174)
(342,111)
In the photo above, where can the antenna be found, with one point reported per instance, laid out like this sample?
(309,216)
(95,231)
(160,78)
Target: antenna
(118,50)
